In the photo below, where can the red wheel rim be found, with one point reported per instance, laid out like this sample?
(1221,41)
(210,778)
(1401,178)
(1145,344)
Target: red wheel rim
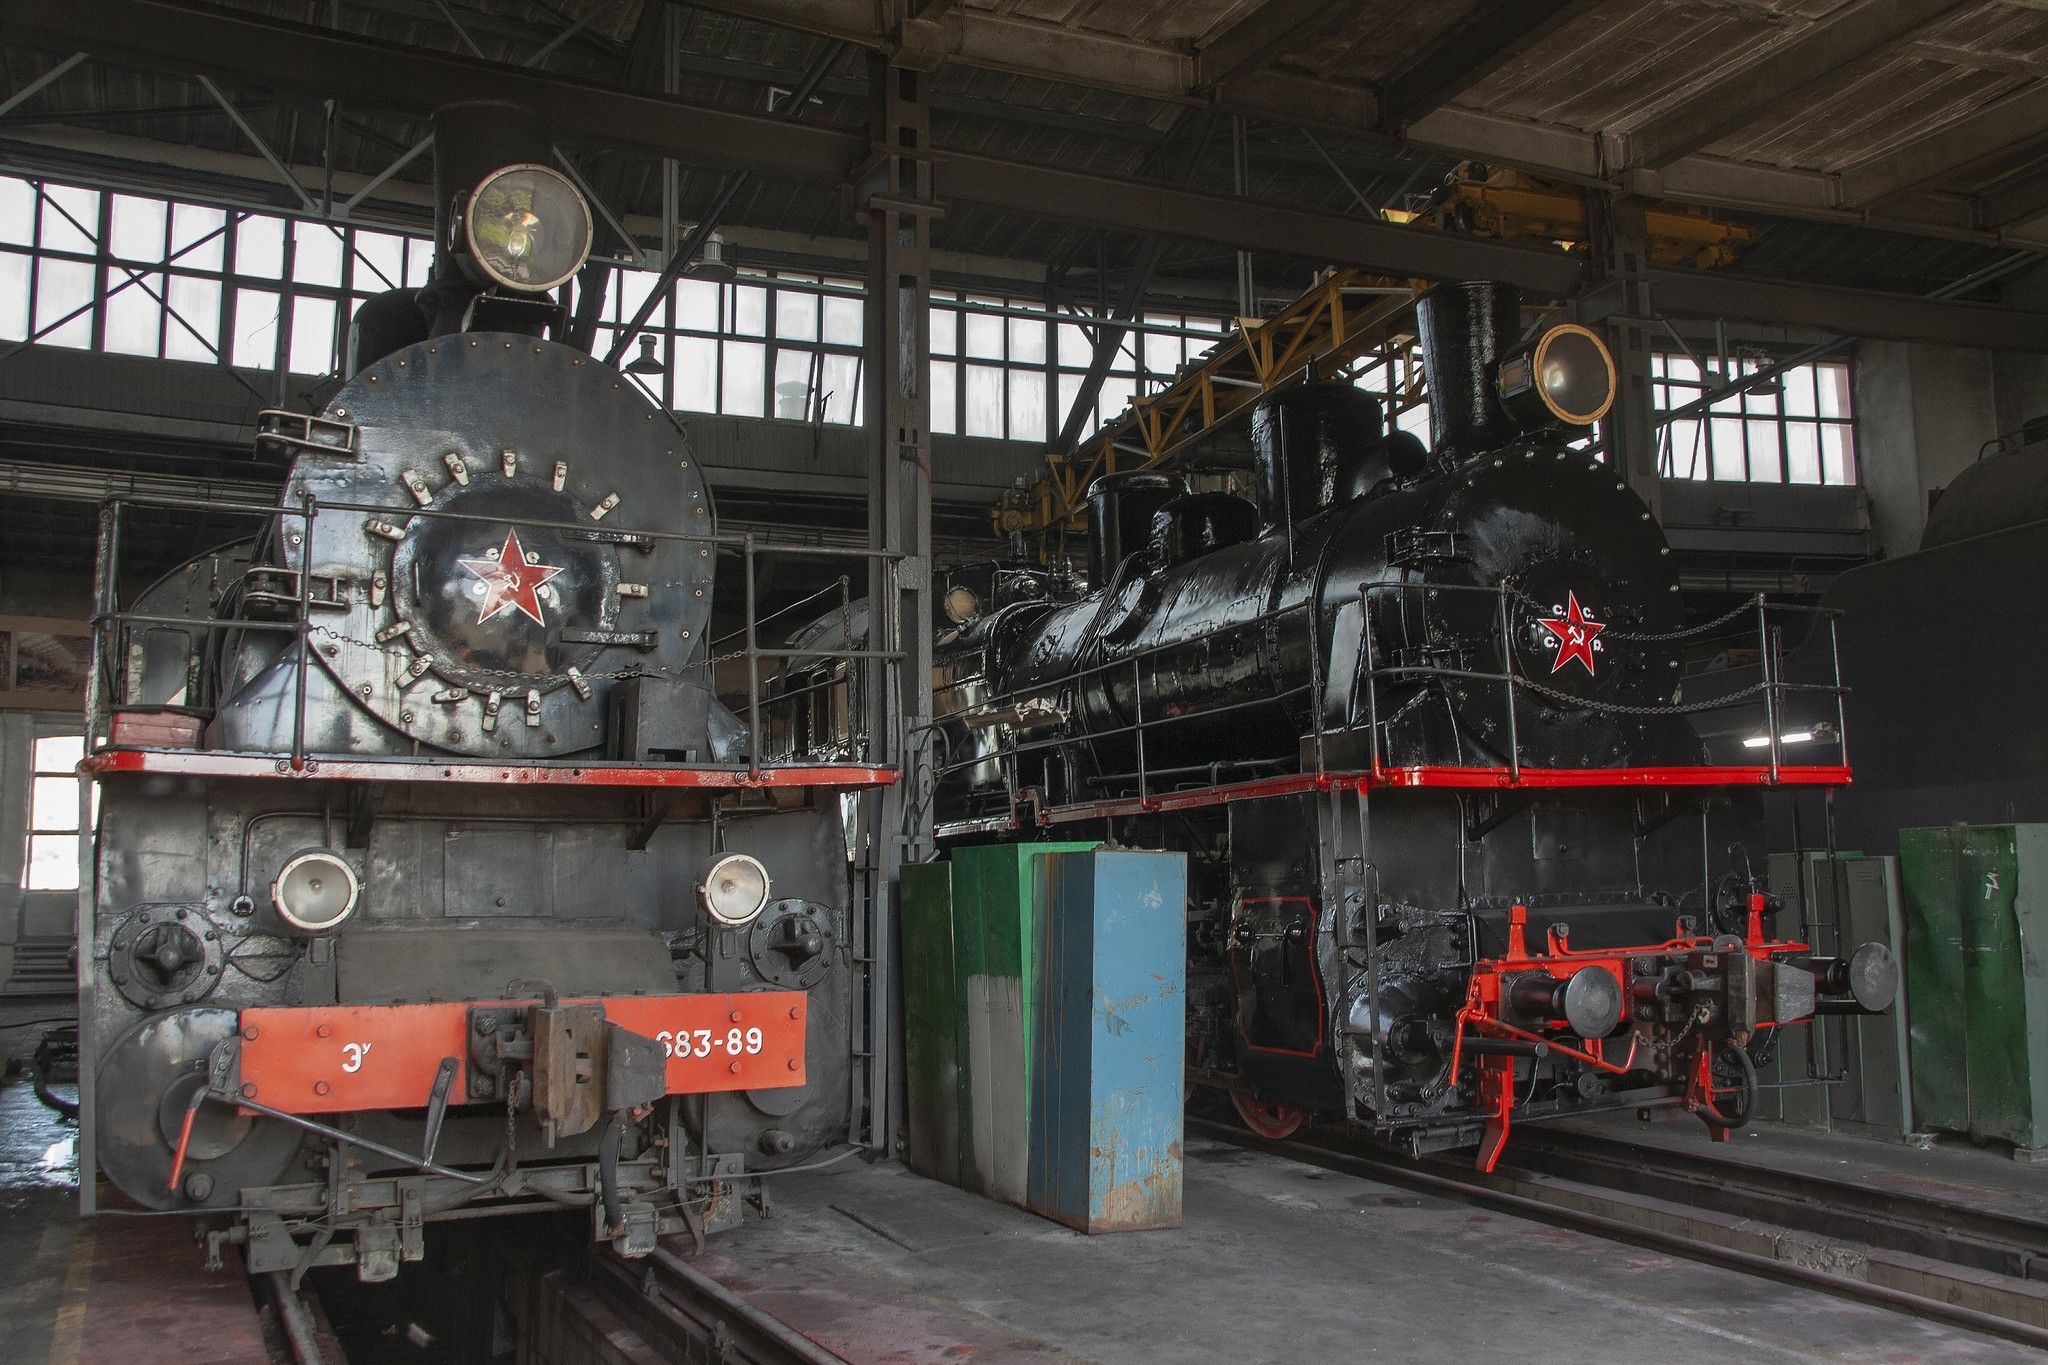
(1270,1121)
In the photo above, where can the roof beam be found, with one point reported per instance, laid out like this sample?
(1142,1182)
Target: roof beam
(254,51)
(1256,38)
(1955,147)
(2016,199)
(1734,102)
(1470,52)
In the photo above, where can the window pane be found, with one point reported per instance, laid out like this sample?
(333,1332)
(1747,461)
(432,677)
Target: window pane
(746,364)
(53,862)
(944,322)
(71,219)
(1763,402)
(1766,460)
(984,336)
(419,263)
(1070,389)
(1833,377)
(59,754)
(1162,353)
(380,260)
(1688,459)
(318,256)
(1027,405)
(255,345)
(1075,348)
(1724,437)
(1027,341)
(793,385)
(196,237)
(697,305)
(133,315)
(841,384)
(259,247)
(312,336)
(945,398)
(843,322)
(633,288)
(64,287)
(1837,463)
(796,315)
(1115,396)
(13,296)
(1802,453)
(17,211)
(749,311)
(138,228)
(1799,392)
(1415,421)
(192,331)
(696,373)
(53,804)
(984,401)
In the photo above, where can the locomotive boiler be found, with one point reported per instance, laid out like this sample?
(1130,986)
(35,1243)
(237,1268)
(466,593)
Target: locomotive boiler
(433,880)
(1473,837)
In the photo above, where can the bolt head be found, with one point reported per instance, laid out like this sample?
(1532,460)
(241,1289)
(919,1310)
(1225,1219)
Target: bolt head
(734,1068)
(249,1033)
(248,1090)
(792,1064)
(320,1087)
(735,1016)
(325,1031)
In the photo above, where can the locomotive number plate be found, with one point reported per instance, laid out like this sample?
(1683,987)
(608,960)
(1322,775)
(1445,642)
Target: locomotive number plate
(341,1058)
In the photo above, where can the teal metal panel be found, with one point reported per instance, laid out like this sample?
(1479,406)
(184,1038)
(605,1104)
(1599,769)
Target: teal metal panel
(1105,1151)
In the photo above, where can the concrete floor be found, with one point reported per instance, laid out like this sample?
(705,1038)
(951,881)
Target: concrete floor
(118,1290)
(1277,1262)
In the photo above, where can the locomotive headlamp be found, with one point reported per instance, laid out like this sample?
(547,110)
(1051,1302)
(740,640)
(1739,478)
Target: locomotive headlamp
(315,892)
(527,228)
(962,605)
(1565,375)
(736,889)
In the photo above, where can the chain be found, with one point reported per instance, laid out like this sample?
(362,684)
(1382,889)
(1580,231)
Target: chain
(526,679)
(1620,709)
(1642,637)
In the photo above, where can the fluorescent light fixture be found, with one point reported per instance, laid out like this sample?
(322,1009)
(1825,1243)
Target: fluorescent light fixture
(1764,741)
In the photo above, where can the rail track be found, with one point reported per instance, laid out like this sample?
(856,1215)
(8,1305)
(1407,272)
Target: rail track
(1981,1271)
(661,1308)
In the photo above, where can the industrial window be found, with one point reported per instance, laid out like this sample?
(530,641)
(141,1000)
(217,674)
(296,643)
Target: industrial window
(53,814)
(1006,368)
(1798,428)
(131,274)
(769,344)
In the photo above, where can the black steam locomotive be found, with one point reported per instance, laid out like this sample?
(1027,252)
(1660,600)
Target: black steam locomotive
(1473,839)
(433,879)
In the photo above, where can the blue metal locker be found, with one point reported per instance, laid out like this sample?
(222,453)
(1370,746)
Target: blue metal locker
(1107,1073)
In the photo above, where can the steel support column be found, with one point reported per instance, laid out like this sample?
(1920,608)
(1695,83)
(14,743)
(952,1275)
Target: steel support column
(894,192)
(1620,295)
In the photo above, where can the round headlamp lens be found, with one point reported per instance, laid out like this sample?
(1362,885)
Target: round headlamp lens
(315,891)
(527,227)
(736,889)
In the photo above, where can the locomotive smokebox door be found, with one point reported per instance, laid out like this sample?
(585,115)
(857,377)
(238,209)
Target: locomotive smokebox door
(569,1065)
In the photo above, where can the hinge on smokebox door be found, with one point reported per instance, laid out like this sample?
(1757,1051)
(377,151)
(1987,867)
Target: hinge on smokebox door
(283,435)
(581,1065)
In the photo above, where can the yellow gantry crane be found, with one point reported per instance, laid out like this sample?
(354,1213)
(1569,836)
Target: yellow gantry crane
(1346,317)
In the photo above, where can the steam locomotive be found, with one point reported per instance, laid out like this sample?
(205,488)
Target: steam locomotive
(433,880)
(1473,837)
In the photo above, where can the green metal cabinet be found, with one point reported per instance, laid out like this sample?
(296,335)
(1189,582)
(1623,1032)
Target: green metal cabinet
(969,928)
(931,1052)
(998,897)
(1976,902)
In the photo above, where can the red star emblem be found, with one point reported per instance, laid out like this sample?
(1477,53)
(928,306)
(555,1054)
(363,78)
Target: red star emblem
(1574,635)
(509,581)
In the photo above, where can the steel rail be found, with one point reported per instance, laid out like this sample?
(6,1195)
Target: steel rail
(1887,1217)
(1470,1189)
(667,1301)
